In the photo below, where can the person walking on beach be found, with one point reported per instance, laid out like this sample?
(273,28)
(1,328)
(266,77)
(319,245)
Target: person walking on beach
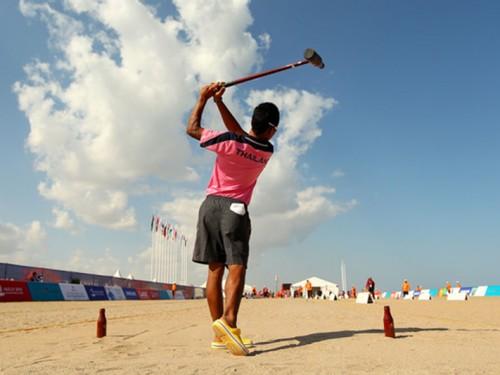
(174,289)
(309,289)
(370,287)
(223,229)
(354,292)
(405,288)
(448,287)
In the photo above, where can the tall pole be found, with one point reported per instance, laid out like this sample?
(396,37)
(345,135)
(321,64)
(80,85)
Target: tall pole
(152,251)
(162,277)
(343,275)
(157,257)
(185,260)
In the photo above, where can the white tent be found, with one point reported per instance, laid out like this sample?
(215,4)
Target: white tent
(130,276)
(117,273)
(327,288)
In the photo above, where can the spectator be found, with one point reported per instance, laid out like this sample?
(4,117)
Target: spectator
(405,288)
(354,292)
(309,289)
(448,287)
(370,287)
(174,288)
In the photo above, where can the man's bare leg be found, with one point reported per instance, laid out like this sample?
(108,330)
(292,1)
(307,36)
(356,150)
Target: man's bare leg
(234,289)
(214,290)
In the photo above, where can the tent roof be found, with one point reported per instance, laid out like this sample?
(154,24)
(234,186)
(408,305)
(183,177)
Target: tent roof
(316,283)
(117,273)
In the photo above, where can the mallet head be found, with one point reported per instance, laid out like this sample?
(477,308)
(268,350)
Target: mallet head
(313,57)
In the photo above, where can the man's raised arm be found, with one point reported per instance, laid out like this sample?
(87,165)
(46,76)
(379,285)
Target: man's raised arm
(227,117)
(194,128)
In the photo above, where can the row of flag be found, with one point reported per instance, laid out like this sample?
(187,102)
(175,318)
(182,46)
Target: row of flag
(166,229)
(169,254)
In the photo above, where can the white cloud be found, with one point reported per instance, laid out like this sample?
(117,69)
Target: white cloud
(109,113)
(107,116)
(63,220)
(265,40)
(105,264)
(337,173)
(19,244)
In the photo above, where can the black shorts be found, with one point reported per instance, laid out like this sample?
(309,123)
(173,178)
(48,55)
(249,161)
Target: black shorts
(223,232)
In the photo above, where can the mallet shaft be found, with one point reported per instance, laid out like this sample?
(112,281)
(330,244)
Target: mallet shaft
(266,73)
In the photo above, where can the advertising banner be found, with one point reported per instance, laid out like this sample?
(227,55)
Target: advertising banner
(73,292)
(466,289)
(96,293)
(199,293)
(434,292)
(11,291)
(45,292)
(188,292)
(114,293)
(143,294)
(493,291)
(480,291)
(130,293)
(154,294)
(179,294)
(165,294)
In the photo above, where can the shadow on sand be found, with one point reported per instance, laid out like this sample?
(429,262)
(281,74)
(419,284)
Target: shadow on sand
(323,336)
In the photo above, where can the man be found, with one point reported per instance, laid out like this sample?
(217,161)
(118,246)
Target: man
(370,287)
(405,288)
(448,287)
(223,230)
(309,289)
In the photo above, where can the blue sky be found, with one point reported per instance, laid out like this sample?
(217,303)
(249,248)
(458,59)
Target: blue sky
(406,105)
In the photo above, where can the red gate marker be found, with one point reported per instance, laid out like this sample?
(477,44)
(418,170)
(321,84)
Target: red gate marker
(101,324)
(388,323)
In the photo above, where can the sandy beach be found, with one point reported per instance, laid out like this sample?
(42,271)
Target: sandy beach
(291,336)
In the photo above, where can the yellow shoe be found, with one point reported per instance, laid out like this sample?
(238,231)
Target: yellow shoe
(230,337)
(220,345)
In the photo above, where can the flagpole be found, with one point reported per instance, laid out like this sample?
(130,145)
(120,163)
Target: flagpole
(343,276)
(164,254)
(160,278)
(157,244)
(162,251)
(185,261)
(156,255)
(176,278)
(152,253)
(169,250)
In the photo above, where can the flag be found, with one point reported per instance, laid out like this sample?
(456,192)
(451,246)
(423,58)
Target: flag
(152,222)
(157,223)
(164,230)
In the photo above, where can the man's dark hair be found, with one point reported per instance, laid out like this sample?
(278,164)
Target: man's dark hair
(264,116)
